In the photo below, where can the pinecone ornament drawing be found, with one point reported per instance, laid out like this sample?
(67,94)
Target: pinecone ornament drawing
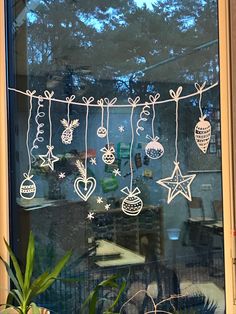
(202,134)
(67,134)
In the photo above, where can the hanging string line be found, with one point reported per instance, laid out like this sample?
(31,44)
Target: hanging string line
(131,149)
(86,140)
(200,104)
(153,119)
(176,130)
(102,117)
(126,105)
(108,116)
(30,94)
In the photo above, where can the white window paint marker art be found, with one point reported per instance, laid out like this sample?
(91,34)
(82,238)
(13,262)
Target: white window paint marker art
(154,149)
(101,131)
(177,183)
(121,128)
(28,187)
(69,125)
(84,186)
(142,118)
(108,151)
(49,159)
(132,203)
(202,131)
(39,133)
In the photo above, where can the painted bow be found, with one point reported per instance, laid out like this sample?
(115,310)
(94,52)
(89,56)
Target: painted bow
(155,138)
(128,192)
(109,149)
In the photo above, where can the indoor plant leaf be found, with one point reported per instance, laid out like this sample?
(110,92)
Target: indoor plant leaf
(29,262)
(18,272)
(11,275)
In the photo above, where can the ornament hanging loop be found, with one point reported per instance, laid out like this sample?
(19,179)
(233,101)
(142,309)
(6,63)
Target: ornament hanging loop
(110,102)
(29,93)
(87,101)
(199,87)
(176,95)
(153,99)
(70,99)
(48,95)
(134,102)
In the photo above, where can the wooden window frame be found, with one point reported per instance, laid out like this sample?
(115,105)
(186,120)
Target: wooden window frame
(227,45)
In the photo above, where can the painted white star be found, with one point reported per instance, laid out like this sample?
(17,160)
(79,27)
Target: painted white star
(177,184)
(90,215)
(121,128)
(93,161)
(61,175)
(48,159)
(116,172)
(107,206)
(99,200)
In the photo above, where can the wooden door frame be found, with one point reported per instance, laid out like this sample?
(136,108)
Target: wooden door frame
(227,48)
(4,182)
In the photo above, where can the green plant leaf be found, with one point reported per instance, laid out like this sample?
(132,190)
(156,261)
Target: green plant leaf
(35,308)
(52,276)
(16,267)
(17,296)
(121,290)
(91,300)
(36,285)
(11,275)
(29,262)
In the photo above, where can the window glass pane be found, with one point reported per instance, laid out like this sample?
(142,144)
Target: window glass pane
(131,185)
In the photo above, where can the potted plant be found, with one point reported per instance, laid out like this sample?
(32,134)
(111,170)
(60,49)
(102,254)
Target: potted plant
(21,297)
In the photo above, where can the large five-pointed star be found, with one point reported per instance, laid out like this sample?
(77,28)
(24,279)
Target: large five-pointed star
(177,184)
(48,159)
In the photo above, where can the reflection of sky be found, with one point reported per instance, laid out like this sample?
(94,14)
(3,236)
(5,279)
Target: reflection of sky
(147,2)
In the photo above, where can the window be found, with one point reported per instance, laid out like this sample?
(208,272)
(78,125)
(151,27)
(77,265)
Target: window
(126,49)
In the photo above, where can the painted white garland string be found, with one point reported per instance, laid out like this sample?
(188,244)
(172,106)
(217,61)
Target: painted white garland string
(30,94)
(125,105)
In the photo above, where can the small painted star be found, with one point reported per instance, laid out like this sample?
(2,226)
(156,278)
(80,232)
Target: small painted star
(90,215)
(61,175)
(99,200)
(121,128)
(93,161)
(107,206)
(116,172)
(177,184)
(48,159)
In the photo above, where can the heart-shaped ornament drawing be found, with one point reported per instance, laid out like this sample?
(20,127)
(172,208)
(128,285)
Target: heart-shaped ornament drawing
(84,187)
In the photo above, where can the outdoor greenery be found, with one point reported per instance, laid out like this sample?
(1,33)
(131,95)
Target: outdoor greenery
(119,47)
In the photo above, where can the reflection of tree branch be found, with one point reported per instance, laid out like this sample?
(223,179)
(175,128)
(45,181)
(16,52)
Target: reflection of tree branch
(124,83)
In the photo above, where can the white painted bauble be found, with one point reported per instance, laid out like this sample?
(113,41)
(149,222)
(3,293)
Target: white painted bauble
(27,189)
(67,136)
(154,149)
(202,134)
(132,205)
(101,132)
(108,157)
